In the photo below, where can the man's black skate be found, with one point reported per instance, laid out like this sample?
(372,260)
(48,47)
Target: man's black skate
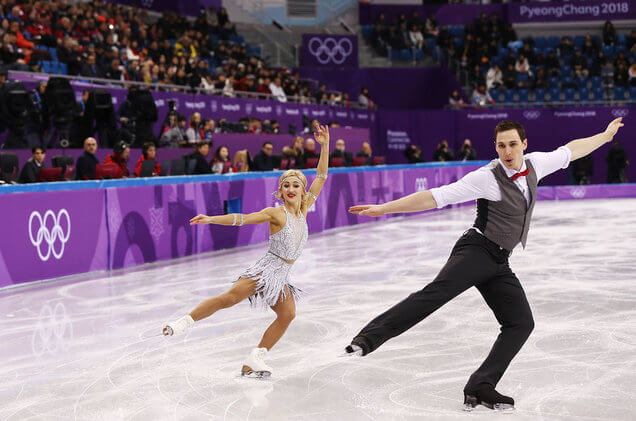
(488,397)
(358,347)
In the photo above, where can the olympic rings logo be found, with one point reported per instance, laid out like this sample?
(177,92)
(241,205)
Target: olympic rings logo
(53,331)
(577,192)
(45,237)
(531,115)
(330,49)
(620,112)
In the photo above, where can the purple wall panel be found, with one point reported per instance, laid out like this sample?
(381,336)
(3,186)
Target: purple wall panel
(52,234)
(396,88)
(446,14)
(533,12)
(581,10)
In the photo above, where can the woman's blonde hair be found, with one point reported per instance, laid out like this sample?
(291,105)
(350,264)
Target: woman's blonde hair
(303,181)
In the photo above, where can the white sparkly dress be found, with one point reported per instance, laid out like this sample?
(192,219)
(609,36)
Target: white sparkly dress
(271,272)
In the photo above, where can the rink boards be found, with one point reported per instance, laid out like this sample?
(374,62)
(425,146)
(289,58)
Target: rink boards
(58,229)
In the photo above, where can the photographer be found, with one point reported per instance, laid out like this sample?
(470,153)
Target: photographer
(413,154)
(127,117)
(467,153)
(38,128)
(443,153)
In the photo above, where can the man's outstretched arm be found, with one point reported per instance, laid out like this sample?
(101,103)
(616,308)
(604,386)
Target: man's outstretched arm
(585,146)
(415,202)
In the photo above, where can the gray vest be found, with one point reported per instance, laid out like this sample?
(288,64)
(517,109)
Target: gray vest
(507,221)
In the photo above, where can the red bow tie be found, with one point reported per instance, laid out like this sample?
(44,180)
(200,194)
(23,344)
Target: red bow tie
(520,174)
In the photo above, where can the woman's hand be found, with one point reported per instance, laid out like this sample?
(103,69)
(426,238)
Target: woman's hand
(321,134)
(201,219)
(367,210)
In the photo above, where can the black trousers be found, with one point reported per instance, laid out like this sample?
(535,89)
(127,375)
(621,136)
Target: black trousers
(474,261)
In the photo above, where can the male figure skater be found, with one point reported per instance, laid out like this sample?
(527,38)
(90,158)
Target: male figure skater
(506,192)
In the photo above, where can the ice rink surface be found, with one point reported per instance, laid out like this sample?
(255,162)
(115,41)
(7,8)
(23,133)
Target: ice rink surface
(83,347)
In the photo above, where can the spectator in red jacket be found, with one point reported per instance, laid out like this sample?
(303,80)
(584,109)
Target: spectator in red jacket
(119,157)
(148,152)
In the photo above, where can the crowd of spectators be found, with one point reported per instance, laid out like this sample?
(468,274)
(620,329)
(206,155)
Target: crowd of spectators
(489,57)
(300,154)
(406,33)
(105,40)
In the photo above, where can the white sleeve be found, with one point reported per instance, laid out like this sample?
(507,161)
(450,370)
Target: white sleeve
(545,163)
(474,185)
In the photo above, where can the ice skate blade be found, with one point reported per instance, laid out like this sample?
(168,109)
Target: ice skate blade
(498,407)
(256,374)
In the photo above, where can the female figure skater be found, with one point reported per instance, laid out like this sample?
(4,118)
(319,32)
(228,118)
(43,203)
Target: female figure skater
(268,280)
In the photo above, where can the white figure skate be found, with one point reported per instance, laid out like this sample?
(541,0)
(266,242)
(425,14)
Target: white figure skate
(256,366)
(178,326)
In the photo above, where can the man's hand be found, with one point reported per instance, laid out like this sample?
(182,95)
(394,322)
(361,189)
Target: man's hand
(613,127)
(367,210)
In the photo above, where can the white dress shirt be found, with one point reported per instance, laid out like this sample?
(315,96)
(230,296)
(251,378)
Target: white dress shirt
(481,183)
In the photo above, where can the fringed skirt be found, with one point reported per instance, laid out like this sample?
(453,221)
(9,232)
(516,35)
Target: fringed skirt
(272,275)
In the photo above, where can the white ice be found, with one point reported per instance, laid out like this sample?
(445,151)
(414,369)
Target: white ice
(84,347)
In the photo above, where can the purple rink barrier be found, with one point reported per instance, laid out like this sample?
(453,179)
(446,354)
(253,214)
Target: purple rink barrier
(87,226)
(330,51)
(353,137)
(581,10)
(52,234)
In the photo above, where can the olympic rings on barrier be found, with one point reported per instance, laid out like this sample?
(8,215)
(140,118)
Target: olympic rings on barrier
(49,238)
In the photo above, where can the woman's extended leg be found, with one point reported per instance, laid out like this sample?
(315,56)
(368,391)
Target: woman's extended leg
(242,289)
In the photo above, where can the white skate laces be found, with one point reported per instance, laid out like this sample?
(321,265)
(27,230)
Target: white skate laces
(178,326)
(256,366)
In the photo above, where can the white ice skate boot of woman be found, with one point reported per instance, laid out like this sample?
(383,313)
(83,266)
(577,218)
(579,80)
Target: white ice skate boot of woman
(254,366)
(179,326)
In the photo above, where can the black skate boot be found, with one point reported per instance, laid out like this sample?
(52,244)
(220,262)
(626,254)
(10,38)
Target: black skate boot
(358,347)
(487,396)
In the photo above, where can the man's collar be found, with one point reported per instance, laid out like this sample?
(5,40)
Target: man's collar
(511,172)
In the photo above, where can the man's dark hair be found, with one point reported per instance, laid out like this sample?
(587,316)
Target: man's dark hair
(506,125)
(145,147)
(268,143)
(202,144)
(181,118)
(35,148)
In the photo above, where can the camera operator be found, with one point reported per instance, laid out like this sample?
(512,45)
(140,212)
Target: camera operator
(127,117)
(38,129)
(467,153)
(83,121)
